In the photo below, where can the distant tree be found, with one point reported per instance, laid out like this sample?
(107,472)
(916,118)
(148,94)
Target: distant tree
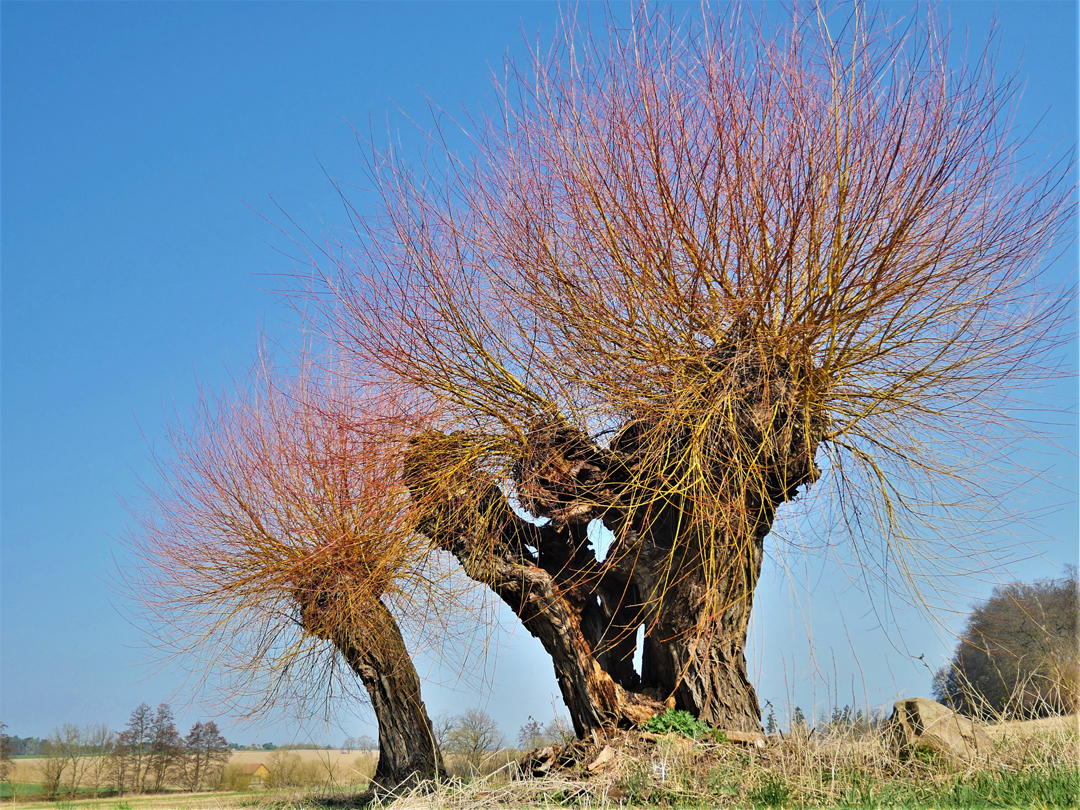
(72,744)
(770,722)
(798,719)
(536,735)
(472,736)
(165,748)
(531,735)
(861,720)
(131,755)
(52,765)
(441,726)
(1017,656)
(560,730)
(206,752)
(5,755)
(26,746)
(365,743)
(99,741)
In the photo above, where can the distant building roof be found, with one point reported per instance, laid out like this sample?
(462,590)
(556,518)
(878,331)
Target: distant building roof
(253,769)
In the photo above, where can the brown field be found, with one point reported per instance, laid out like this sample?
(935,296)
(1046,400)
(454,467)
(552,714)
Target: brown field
(335,757)
(342,768)
(1029,728)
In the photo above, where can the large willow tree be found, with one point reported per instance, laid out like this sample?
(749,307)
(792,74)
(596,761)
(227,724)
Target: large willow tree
(688,271)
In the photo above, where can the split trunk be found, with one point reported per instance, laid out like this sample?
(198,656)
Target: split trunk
(681,573)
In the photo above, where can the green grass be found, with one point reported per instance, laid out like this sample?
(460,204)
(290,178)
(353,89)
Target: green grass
(24,790)
(1042,789)
(1036,790)
(30,790)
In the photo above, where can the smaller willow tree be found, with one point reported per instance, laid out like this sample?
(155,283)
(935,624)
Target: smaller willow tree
(688,271)
(276,549)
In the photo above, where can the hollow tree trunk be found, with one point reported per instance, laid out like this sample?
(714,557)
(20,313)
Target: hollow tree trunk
(373,647)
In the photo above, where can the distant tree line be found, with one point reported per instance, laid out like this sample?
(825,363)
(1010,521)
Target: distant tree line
(361,743)
(253,747)
(269,746)
(16,746)
(836,719)
(145,757)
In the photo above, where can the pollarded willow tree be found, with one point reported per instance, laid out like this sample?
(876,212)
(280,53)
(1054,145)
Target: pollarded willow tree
(688,271)
(278,559)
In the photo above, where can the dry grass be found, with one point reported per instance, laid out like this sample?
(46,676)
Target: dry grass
(337,757)
(1064,724)
(829,768)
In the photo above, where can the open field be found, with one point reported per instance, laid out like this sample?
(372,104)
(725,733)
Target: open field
(345,768)
(169,801)
(336,757)
(1030,728)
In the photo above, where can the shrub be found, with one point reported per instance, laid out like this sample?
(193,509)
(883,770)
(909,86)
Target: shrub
(682,722)
(287,769)
(233,778)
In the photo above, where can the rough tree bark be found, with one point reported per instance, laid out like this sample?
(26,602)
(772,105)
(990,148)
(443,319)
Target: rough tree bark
(408,753)
(586,611)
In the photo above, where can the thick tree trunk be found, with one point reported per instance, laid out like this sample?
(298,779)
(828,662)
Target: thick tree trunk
(695,647)
(408,753)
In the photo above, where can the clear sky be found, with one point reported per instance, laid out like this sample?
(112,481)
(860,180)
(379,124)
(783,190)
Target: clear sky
(141,144)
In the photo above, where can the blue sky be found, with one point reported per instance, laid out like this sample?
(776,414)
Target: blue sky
(142,145)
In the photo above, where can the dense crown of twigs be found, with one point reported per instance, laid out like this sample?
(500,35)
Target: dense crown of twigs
(274,532)
(706,249)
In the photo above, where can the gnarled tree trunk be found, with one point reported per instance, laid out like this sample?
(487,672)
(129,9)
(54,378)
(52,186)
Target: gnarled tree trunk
(562,613)
(684,573)
(694,648)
